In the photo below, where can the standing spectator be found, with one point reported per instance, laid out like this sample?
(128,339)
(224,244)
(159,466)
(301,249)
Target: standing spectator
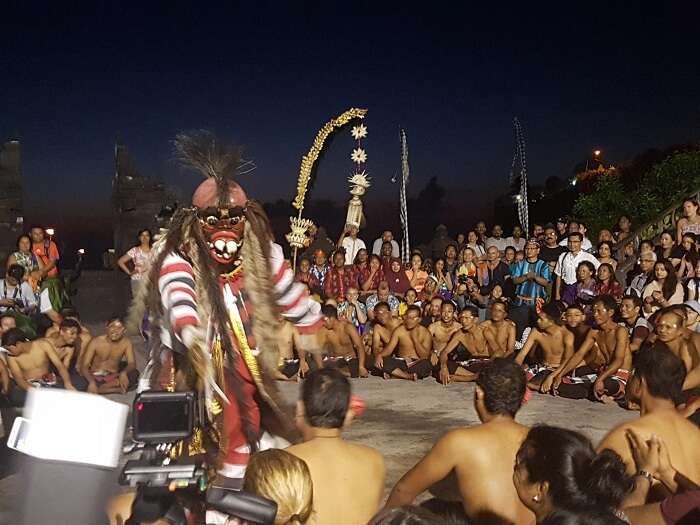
(387,236)
(440,242)
(385,255)
(481,232)
(339,278)
(46,250)
(351,243)
(604,251)
(451,261)
(397,278)
(493,271)
(28,260)
(691,222)
(140,258)
(561,228)
(318,271)
(531,278)
(551,250)
(607,282)
(623,227)
(538,232)
(443,279)
(475,244)
(370,282)
(496,239)
(666,247)
(516,240)
(567,266)
(664,290)
(303,274)
(646,275)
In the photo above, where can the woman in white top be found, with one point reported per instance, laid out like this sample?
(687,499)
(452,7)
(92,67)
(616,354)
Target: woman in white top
(140,257)
(691,221)
(664,290)
(475,245)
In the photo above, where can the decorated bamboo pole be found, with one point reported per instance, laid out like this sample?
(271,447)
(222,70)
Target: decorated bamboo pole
(299,226)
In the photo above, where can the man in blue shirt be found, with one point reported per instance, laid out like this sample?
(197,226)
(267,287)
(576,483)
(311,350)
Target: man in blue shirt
(531,278)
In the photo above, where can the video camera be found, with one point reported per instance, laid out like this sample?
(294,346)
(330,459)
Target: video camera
(161,419)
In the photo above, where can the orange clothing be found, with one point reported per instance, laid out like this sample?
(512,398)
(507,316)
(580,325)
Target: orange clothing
(40,251)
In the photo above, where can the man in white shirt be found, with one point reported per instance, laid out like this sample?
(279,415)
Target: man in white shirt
(387,236)
(516,240)
(567,264)
(352,245)
(497,239)
(577,227)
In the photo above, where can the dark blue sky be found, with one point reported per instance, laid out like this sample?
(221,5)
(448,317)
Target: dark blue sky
(72,79)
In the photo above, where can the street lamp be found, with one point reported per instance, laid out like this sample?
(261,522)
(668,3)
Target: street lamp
(50,232)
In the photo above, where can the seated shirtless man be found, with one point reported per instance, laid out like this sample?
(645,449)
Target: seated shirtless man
(555,342)
(480,457)
(65,340)
(442,330)
(290,366)
(575,322)
(611,342)
(84,335)
(655,385)
(109,365)
(341,343)
(499,331)
(30,365)
(413,345)
(384,326)
(470,347)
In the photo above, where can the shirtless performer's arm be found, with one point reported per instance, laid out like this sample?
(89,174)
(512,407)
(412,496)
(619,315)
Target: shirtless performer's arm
(4,378)
(510,345)
(692,380)
(554,379)
(389,348)
(618,358)
(532,340)
(434,467)
(130,365)
(451,345)
(422,341)
(17,374)
(358,346)
(57,363)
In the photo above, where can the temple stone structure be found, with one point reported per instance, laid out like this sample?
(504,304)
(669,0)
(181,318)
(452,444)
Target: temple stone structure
(11,208)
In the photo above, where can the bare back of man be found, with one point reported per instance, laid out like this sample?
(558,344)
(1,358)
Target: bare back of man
(348,480)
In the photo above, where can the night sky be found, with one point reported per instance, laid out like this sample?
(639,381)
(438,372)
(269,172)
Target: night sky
(72,79)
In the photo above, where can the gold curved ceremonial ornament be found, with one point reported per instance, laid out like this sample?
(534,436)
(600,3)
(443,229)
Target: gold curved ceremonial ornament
(299,226)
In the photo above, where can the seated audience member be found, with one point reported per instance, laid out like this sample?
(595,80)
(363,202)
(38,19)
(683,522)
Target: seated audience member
(385,256)
(496,240)
(337,466)
(499,331)
(604,253)
(586,285)
(430,290)
(443,279)
(339,278)
(509,257)
(319,270)
(451,261)
(645,275)
(685,255)
(396,277)
(7,321)
(664,290)
(655,386)
(369,281)
(606,282)
(416,275)
(383,295)
(467,266)
(653,464)
(638,328)
(692,285)
(66,342)
(555,342)
(303,273)
(611,343)
(352,310)
(387,236)
(341,344)
(493,271)
(516,240)
(566,269)
(580,229)
(26,259)
(411,298)
(442,330)
(30,363)
(558,470)
(431,311)
(109,363)
(413,346)
(17,295)
(467,352)
(282,477)
(481,456)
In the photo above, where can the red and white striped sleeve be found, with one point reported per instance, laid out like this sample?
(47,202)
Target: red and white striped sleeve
(293,297)
(177,292)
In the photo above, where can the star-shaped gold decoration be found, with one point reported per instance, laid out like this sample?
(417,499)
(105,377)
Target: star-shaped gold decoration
(359,132)
(358,156)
